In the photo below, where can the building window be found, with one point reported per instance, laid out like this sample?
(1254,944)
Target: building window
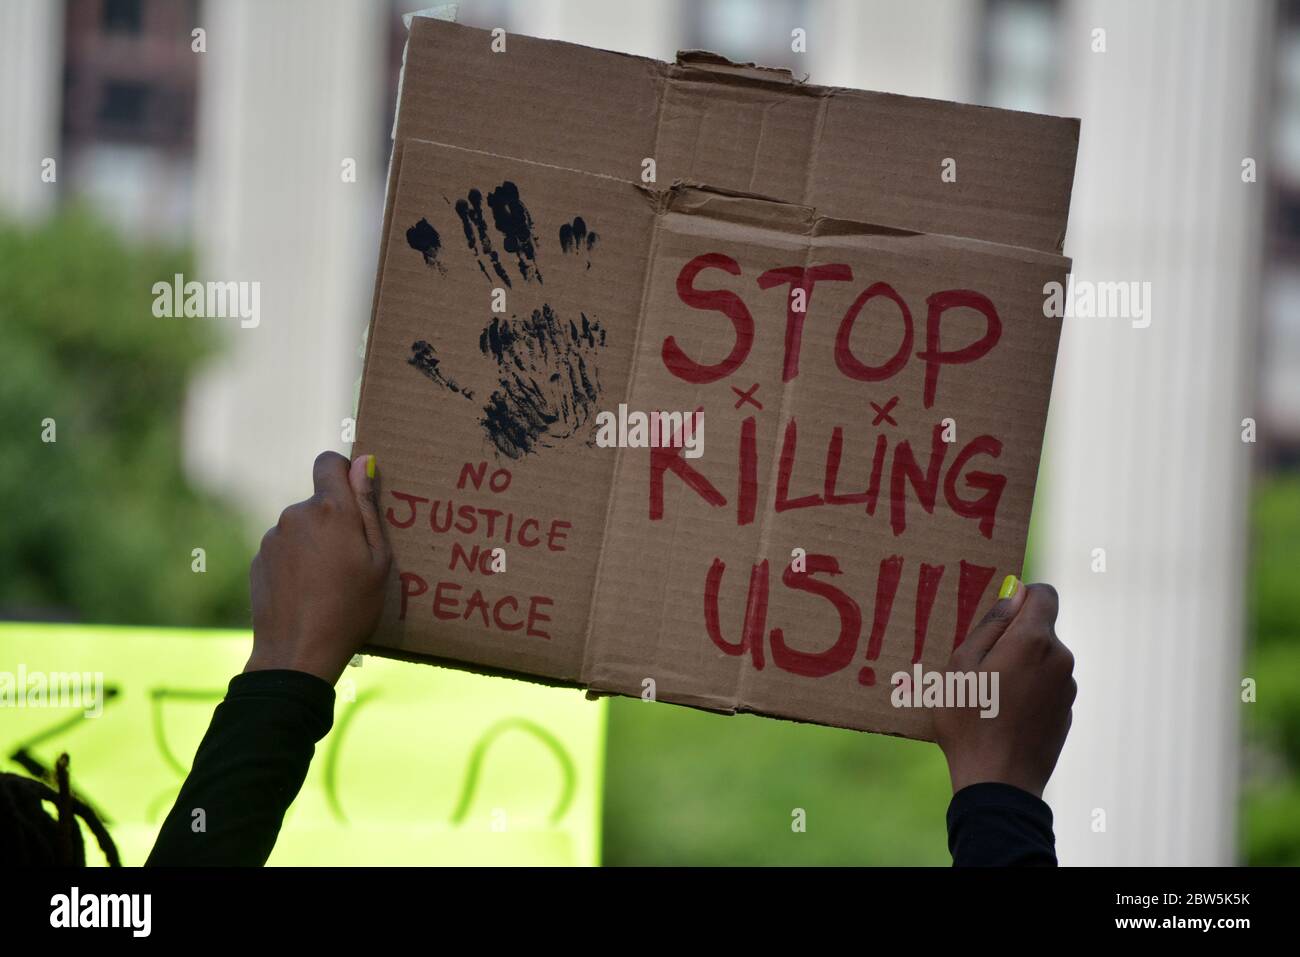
(123,105)
(130,75)
(122,16)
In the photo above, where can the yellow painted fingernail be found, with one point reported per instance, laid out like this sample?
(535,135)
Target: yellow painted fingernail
(370,468)
(1009,586)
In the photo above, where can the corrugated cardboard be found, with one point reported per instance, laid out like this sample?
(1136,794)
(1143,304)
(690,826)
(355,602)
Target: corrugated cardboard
(643,572)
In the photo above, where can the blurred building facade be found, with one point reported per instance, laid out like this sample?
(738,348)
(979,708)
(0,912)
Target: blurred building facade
(245,149)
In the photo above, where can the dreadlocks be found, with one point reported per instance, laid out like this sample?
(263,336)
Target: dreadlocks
(29,837)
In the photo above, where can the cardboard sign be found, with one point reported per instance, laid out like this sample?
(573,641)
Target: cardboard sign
(830,303)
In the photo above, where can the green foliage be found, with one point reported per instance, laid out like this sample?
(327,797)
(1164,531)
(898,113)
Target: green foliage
(1271,800)
(100,524)
(691,788)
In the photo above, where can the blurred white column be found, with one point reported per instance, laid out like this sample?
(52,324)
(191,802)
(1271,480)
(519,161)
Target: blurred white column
(644,29)
(918,48)
(31,66)
(1144,453)
(287,92)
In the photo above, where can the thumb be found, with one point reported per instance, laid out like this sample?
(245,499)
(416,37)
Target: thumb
(363,477)
(982,638)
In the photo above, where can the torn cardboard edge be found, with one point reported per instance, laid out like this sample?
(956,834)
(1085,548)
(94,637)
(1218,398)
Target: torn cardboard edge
(719,64)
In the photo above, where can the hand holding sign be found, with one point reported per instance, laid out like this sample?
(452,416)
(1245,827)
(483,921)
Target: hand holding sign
(317,581)
(1019,744)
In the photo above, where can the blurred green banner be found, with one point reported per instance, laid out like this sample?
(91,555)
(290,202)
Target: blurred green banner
(424,765)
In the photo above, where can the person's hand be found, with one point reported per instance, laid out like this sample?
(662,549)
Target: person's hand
(317,581)
(1036,690)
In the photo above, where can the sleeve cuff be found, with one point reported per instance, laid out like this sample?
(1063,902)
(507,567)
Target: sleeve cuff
(314,694)
(999,825)
(993,794)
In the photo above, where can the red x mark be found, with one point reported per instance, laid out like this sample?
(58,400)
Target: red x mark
(883,414)
(748,397)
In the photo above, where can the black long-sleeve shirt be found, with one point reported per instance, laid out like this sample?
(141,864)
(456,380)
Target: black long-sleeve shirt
(254,758)
(247,771)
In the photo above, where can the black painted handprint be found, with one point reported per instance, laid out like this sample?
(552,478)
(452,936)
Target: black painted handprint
(545,365)
(576,239)
(549,381)
(512,221)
